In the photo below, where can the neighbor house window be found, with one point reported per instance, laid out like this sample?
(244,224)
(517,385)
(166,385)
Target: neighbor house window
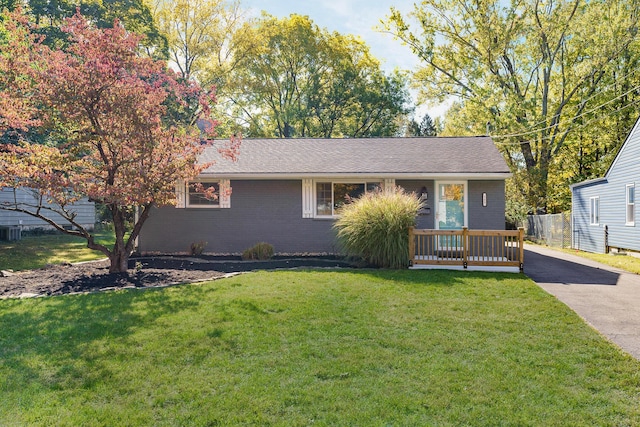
(631,205)
(594,210)
(331,196)
(203,194)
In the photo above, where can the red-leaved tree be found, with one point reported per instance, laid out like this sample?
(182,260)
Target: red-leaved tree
(109,106)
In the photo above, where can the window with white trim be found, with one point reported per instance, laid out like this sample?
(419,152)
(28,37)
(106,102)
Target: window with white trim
(630,204)
(331,196)
(203,193)
(594,210)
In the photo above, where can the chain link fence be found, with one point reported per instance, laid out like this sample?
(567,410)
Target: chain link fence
(552,230)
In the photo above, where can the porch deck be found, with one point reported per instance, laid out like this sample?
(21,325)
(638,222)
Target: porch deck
(476,250)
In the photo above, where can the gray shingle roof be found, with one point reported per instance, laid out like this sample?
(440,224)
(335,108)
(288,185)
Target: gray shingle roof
(349,156)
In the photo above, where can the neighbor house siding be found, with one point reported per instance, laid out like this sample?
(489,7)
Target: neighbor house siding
(585,236)
(611,190)
(85,210)
(261,211)
(624,171)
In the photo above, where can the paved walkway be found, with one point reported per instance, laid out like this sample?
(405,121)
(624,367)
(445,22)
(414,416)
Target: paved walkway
(606,297)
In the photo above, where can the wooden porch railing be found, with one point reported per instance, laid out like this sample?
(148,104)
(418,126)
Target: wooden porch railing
(487,248)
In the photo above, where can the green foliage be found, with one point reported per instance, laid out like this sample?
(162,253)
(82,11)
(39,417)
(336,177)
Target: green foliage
(328,348)
(376,226)
(303,81)
(545,76)
(426,127)
(260,251)
(135,15)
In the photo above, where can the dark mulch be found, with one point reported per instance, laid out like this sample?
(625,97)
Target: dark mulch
(143,272)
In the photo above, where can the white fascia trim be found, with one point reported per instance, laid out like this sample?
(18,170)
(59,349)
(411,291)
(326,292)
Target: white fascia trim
(358,176)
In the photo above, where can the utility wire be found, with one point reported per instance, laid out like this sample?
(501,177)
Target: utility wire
(583,125)
(616,80)
(562,122)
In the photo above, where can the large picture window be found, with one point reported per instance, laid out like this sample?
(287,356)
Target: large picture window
(594,210)
(331,196)
(203,194)
(631,205)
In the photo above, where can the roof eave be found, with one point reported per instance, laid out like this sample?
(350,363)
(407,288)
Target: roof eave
(360,175)
(587,182)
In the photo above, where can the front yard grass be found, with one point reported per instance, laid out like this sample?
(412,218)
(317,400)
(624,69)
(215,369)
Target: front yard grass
(624,262)
(329,348)
(37,251)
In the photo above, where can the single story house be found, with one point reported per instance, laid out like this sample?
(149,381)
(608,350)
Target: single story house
(286,192)
(603,209)
(12,223)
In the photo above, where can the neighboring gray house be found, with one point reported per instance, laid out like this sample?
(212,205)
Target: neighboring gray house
(286,191)
(603,209)
(85,210)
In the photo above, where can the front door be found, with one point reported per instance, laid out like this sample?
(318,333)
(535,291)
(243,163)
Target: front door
(450,210)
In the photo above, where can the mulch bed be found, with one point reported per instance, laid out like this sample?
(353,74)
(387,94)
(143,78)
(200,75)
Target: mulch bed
(144,272)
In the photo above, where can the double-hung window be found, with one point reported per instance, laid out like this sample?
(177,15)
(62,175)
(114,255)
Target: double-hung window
(594,210)
(331,196)
(630,204)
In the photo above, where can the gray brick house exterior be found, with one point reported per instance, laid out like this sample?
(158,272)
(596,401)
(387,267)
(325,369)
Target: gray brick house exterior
(285,191)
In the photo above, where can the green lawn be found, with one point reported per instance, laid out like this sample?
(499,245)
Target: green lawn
(296,348)
(624,262)
(37,251)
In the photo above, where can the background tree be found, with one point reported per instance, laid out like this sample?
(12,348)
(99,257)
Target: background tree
(133,14)
(426,127)
(306,82)
(204,36)
(120,149)
(207,40)
(532,69)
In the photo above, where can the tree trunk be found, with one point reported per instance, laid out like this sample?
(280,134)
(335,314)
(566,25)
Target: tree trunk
(119,258)
(119,263)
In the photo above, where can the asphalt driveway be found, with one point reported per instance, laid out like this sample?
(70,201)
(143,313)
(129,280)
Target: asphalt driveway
(606,297)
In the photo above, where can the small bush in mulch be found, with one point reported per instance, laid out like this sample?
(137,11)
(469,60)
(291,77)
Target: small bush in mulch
(260,251)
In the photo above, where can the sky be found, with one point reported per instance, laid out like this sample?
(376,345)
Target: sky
(358,17)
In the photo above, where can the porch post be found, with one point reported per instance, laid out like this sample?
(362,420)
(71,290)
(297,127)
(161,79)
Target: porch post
(412,246)
(465,244)
(521,246)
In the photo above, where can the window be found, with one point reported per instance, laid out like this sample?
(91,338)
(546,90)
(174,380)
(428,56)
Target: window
(203,194)
(331,196)
(631,210)
(594,210)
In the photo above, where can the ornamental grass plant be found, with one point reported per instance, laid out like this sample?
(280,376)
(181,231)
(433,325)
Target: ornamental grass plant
(375,227)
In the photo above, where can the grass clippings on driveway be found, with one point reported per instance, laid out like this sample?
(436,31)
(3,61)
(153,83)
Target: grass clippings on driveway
(295,348)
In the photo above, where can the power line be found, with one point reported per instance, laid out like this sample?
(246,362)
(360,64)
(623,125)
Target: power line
(562,122)
(616,80)
(583,125)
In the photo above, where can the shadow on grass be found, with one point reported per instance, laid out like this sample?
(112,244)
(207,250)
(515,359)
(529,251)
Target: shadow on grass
(51,342)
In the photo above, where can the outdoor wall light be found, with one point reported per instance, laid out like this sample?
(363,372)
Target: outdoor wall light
(424,194)
(484,200)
